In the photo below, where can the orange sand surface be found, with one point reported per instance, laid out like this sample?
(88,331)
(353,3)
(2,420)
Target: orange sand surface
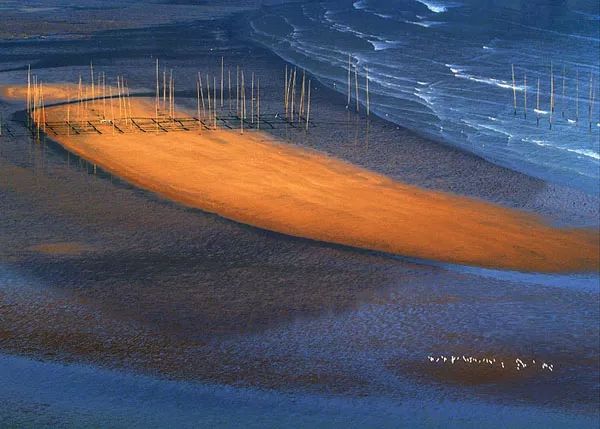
(254,179)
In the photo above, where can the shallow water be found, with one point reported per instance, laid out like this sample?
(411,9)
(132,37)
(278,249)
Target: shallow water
(89,396)
(443,69)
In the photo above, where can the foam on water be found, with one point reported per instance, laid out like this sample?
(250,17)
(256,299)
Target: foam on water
(466,70)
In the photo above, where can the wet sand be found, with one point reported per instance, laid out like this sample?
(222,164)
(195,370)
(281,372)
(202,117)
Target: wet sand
(254,179)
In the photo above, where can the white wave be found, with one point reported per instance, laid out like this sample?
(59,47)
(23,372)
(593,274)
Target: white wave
(381,45)
(425,24)
(360,4)
(541,112)
(383,15)
(435,7)
(460,73)
(487,48)
(438,6)
(586,152)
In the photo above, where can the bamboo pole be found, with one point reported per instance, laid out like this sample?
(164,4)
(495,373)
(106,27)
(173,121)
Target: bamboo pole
(215,101)
(563,90)
(157,100)
(229,86)
(103,95)
(198,103)
(164,104)
(285,92)
(68,113)
(258,104)
(243,104)
(252,100)
(92,79)
(525,96)
(208,97)
(202,95)
(577,97)
(308,106)
(301,109)
(356,85)
(349,89)
(129,103)
(551,89)
(514,87)
(237,90)
(293,95)
(44,107)
(112,109)
(79,96)
(28,94)
(222,75)
(551,93)
(367,90)
(173,100)
(537,103)
(120,101)
(591,99)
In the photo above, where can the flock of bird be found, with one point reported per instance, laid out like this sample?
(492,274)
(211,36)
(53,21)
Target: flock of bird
(471,360)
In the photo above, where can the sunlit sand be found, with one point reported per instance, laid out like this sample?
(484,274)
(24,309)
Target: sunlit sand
(253,179)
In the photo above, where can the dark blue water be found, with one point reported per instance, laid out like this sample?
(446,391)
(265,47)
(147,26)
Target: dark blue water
(443,68)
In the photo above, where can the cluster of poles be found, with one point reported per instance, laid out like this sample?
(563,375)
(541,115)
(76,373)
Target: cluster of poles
(353,70)
(96,96)
(36,110)
(212,97)
(553,90)
(301,112)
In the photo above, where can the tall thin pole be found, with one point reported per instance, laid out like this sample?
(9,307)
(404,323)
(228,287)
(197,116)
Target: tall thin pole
(79,95)
(514,87)
(120,102)
(208,97)
(563,90)
(28,94)
(258,103)
(112,109)
(68,113)
(157,101)
(222,75)
(237,90)
(308,105)
(551,88)
(591,99)
(367,89)
(537,103)
(252,100)
(229,86)
(103,95)
(202,95)
(92,79)
(285,91)
(356,85)
(243,104)
(577,97)
(170,91)
(198,103)
(525,96)
(215,100)
(164,105)
(349,69)
(301,110)
(293,94)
